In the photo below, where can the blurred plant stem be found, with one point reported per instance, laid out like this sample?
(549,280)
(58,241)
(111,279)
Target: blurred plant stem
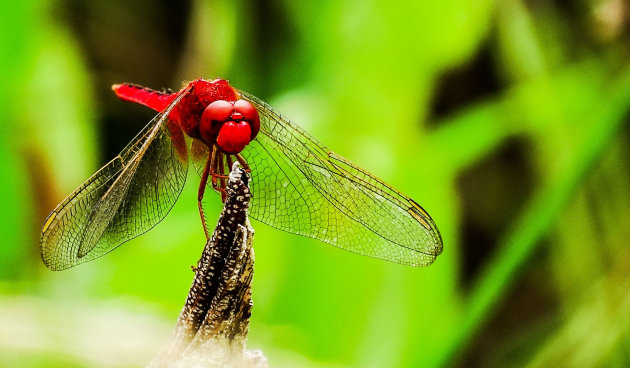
(526,233)
(592,331)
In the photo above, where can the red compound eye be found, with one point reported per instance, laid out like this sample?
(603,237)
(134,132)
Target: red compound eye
(234,136)
(231,125)
(250,115)
(213,118)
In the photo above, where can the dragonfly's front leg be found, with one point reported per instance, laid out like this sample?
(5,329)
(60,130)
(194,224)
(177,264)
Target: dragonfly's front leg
(219,178)
(241,160)
(215,169)
(202,187)
(230,162)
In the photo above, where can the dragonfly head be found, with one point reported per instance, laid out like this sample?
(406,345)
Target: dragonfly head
(231,124)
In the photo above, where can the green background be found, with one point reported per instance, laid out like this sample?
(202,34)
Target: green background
(504,119)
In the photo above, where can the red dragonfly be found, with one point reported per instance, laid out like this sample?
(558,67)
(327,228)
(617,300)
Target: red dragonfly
(298,185)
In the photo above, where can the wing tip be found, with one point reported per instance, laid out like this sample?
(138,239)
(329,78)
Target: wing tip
(420,215)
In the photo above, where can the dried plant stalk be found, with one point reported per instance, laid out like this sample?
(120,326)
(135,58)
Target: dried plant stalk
(212,328)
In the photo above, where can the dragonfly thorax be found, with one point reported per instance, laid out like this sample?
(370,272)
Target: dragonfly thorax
(198,95)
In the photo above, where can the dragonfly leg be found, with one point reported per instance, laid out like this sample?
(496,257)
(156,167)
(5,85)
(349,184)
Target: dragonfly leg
(220,173)
(230,162)
(243,162)
(217,173)
(202,188)
(214,169)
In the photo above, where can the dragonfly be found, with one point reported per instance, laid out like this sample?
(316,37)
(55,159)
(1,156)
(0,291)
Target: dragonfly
(298,185)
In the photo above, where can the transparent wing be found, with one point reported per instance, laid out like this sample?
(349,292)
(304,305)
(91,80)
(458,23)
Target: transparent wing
(124,199)
(301,187)
(198,155)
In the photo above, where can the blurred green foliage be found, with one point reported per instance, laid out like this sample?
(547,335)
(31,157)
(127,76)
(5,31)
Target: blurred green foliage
(505,120)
